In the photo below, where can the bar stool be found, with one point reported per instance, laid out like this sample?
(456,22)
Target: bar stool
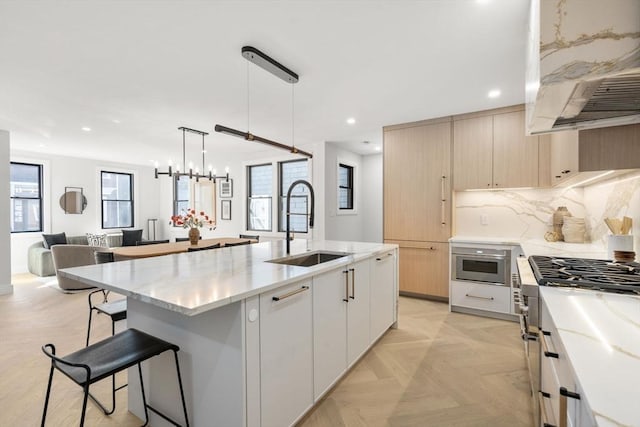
(105,359)
(116,310)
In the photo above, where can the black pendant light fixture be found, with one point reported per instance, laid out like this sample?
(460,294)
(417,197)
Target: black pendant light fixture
(274,67)
(197,174)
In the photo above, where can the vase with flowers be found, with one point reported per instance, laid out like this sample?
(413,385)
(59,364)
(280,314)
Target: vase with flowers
(193,221)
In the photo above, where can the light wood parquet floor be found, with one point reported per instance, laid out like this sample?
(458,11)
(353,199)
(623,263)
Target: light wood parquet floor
(436,369)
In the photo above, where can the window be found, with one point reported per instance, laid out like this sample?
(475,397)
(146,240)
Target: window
(259,192)
(117,199)
(288,172)
(180,194)
(345,187)
(26,197)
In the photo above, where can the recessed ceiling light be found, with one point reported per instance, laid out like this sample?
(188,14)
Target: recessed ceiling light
(377,148)
(40,145)
(351,121)
(116,121)
(86,128)
(494,93)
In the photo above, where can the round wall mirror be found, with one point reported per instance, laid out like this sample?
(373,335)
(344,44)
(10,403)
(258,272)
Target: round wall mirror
(73,201)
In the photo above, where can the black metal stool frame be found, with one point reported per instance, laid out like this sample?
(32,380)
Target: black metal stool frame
(114,318)
(88,381)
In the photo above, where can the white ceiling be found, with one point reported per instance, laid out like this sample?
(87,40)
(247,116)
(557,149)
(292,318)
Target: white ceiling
(134,71)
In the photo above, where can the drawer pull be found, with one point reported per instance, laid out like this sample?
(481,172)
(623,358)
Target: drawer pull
(346,286)
(383,257)
(564,393)
(545,349)
(543,409)
(475,296)
(353,283)
(290,294)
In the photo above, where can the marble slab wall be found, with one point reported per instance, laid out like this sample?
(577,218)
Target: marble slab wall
(521,214)
(614,198)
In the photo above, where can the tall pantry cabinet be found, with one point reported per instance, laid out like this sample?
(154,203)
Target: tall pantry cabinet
(417,203)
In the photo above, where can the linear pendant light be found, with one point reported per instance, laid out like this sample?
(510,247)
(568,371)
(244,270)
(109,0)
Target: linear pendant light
(274,67)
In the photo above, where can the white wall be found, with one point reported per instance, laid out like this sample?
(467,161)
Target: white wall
(366,224)
(61,172)
(372,198)
(5,217)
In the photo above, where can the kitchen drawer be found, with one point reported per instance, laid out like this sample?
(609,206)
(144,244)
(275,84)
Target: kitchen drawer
(479,296)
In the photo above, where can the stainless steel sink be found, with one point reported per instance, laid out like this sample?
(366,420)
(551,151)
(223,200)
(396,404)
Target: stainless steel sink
(309,259)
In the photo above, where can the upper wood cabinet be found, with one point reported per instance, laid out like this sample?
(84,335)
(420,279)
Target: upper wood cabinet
(492,151)
(564,156)
(417,182)
(473,153)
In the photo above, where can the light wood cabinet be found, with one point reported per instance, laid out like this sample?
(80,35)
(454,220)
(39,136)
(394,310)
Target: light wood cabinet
(492,151)
(286,354)
(417,182)
(515,155)
(424,268)
(564,156)
(473,153)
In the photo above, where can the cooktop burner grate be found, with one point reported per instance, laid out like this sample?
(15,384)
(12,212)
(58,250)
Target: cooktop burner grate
(596,274)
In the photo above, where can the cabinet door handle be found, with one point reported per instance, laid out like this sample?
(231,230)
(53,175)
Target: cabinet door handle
(543,409)
(346,286)
(383,257)
(564,393)
(475,296)
(353,283)
(290,294)
(442,201)
(545,349)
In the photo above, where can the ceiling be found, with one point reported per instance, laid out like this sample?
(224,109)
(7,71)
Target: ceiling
(134,71)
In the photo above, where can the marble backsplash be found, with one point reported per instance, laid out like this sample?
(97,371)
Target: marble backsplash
(527,214)
(522,214)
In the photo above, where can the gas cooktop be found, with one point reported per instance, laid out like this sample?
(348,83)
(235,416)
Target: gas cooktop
(596,274)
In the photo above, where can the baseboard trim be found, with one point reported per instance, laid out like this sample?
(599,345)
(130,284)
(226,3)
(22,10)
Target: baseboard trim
(484,313)
(6,289)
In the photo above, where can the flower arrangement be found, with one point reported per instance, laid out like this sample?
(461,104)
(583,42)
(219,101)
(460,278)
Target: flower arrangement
(190,219)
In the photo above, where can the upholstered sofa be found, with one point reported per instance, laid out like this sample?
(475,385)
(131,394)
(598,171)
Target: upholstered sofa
(40,261)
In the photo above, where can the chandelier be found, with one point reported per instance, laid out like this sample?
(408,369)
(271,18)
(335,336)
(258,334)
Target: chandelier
(196,173)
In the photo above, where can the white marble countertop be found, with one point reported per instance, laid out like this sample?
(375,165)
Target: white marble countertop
(192,283)
(601,335)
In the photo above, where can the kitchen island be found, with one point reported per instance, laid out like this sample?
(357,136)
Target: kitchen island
(260,342)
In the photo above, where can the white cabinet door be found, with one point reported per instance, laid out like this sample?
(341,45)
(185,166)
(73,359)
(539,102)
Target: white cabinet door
(330,296)
(286,365)
(383,288)
(358,310)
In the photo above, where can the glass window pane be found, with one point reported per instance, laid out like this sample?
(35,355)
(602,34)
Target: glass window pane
(116,186)
(25,180)
(260,178)
(116,214)
(259,218)
(343,176)
(299,205)
(25,215)
(290,172)
(182,188)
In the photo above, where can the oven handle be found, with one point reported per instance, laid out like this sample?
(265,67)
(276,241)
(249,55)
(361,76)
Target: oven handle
(480,257)
(545,349)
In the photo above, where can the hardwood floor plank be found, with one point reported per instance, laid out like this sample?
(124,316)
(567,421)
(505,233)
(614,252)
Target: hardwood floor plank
(436,369)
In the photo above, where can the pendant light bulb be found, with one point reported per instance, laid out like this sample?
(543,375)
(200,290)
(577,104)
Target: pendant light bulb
(210,168)
(226,169)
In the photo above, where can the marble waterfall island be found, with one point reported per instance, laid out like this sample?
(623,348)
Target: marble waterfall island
(260,342)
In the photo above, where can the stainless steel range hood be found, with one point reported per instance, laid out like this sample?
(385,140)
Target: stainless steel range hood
(583,65)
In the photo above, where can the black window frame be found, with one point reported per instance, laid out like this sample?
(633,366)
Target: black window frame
(131,199)
(250,197)
(282,195)
(349,187)
(176,201)
(40,197)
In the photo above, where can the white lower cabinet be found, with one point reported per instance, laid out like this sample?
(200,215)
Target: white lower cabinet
(286,358)
(341,307)
(383,291)
(480,296)
(559,390)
